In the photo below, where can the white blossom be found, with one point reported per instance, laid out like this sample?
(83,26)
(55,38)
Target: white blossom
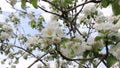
(20,36)
(84,19)
(100,19)
(92,42)
(13,2)
(115,50)
(56,39)
(89,9)
(52,29)
(70,43)
(10,45)
(79,37)
(113,18)
(7,27)
(31,15)
(103,26)
(4,35)
(119,3)
(117,25)
(33,40)
(77,47)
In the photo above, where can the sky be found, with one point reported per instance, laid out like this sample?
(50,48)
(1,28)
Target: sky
(25,63)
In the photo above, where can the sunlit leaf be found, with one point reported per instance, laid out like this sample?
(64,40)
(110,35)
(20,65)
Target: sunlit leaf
(97,38)
(33,24)
(34,3)
(23,4)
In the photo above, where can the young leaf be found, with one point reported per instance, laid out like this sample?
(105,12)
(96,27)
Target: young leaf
(85,54)
(34,3)
(72,52)
(105,3)
(33,24)
(116,7)
(111,60)
(97,38)
(23,4)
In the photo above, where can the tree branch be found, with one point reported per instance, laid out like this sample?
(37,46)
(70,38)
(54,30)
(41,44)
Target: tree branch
(15,8)
(52,4)
(49,11)
(106,46)
(78,12)
(30,53)
(25,50)
(92,1)
(69,59)
(37,61)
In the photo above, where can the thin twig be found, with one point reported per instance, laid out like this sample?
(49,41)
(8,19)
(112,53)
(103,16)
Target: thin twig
(37,61)
(70,59)
(91,1)
(49,11)
(79,12)
(15,8)
(106,46)
(30,53)
(25,50)
(52,4)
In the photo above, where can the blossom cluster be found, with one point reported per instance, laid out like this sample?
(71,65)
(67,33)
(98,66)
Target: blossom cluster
(6,31)
(91,20)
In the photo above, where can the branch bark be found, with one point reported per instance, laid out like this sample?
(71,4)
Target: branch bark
(91,1)
(70,59)
(37,61)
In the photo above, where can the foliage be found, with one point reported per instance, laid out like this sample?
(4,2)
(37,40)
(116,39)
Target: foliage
(77,34)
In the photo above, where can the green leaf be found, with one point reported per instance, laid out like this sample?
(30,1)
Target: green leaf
(25,56)
(33,24)
(68,1)
(0,10)
(63,42)
(88,16)
(34,3)
(72,52)
(111,60)
(97,38)
(96,48)
(23,4)
(80,66)
(105,3)
(85,54)
(116,7)
(115,21)
(65,3)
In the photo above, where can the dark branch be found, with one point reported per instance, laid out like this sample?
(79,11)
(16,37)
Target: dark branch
(37,61)
(92,1)
(25,50)
(16,9)
(52,4)
(70,59)
(30,53)
(49,11)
